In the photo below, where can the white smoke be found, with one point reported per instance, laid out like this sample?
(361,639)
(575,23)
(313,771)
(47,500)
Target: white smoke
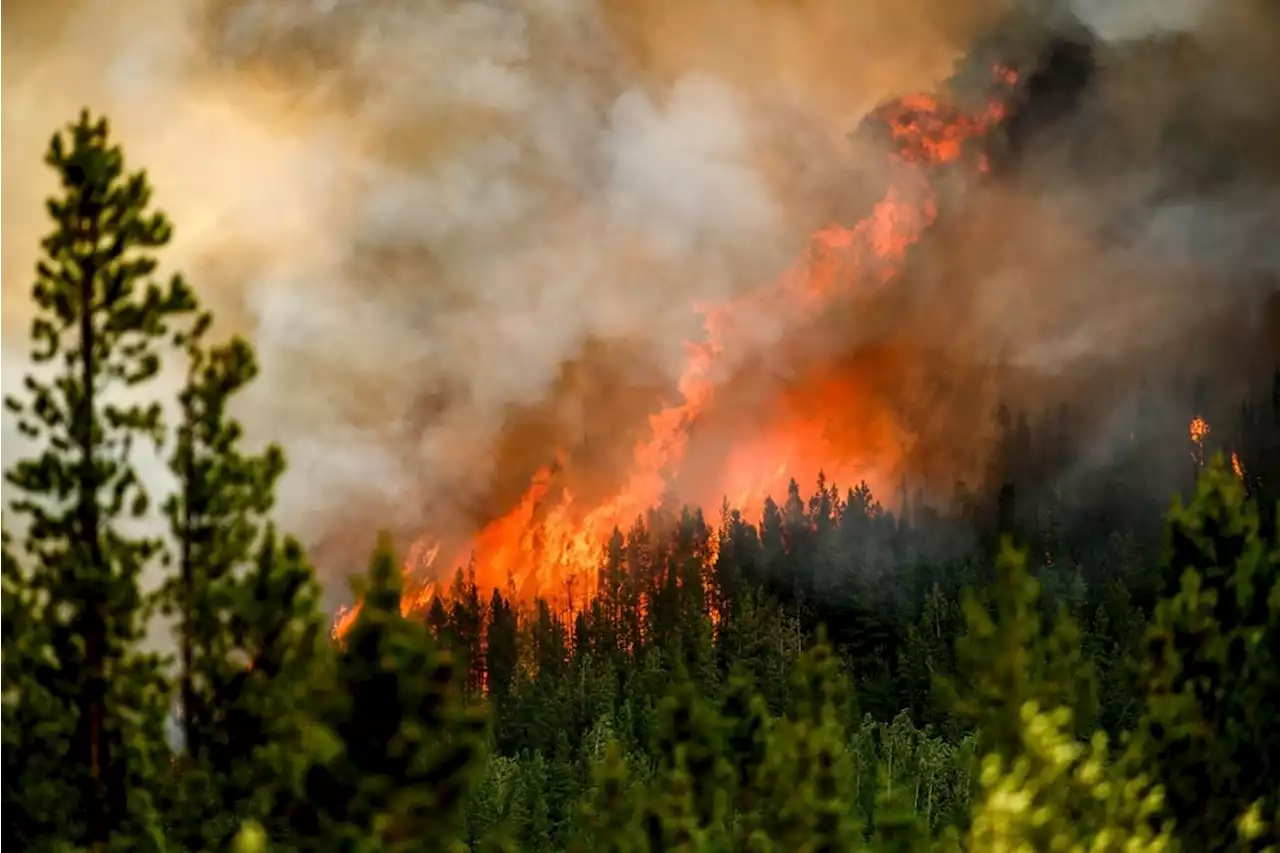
(420,212)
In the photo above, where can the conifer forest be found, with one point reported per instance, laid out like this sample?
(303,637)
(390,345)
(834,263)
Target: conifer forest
(1053,625)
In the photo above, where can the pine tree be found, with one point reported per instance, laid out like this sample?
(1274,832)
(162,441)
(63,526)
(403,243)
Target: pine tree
(898,827)
(928,653)
(99,318)
(37,723)
(215,514)
(746,720)
(404,746)
(501,652)
(1006,659)
(1040,787)
(692,762)
(611,812)
(1211,677)
(1055,793)
(807,779)
(247,605)
(261,694)
(738,558)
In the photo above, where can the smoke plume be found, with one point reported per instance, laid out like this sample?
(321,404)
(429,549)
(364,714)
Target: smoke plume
(462,234)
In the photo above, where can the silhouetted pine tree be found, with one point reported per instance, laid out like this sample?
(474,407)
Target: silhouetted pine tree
(99,318)
(403,746)
(249,626)
(1211,677)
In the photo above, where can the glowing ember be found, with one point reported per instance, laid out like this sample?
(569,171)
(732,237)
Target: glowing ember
(548,544)
(1199,430)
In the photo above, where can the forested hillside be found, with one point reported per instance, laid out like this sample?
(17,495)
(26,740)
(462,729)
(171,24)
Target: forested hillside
(1042,665)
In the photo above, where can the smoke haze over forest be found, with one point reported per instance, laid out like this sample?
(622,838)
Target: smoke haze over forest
(463,234)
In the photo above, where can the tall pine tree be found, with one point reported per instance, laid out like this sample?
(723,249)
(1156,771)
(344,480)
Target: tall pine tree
(248,621)
(1211,677)
(99,318)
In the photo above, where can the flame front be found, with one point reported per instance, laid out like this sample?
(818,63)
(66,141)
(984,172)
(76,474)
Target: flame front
(549,546)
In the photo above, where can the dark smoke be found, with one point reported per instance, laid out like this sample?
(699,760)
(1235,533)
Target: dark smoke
(1124,246)
(1050,91)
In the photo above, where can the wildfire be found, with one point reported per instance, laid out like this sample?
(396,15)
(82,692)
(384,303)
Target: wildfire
(548,543)
(1199,430)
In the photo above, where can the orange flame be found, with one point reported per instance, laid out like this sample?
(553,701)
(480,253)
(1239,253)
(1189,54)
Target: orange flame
(1199,430)
(547,543)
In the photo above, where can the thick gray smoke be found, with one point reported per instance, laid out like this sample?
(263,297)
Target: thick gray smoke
(422,212)
(434,217)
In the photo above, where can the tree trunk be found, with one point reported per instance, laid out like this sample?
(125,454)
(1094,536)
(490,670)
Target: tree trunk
(190,727)
(94,613)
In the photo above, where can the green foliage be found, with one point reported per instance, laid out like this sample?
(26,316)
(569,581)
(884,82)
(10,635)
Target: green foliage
(250,838)
(37,724)
(84,708)
(258,698)
(249,625)
(899,828)
(1005,659)
(747,723)
(98,320)
(1040,788)
(1056,794)
(401,746)
(732,779)
(695,703)
(806,780)
(928,653)
(1212,674)
(611,813)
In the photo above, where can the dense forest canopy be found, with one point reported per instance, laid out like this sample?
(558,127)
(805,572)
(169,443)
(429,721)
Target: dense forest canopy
(1049,621)
(822,397)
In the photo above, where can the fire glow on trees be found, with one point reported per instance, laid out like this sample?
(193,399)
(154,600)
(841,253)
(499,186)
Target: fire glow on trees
(548,543)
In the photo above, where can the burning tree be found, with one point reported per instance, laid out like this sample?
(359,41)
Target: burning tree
(549,541)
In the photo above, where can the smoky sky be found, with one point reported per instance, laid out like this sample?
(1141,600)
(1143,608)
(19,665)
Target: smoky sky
(460,232)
